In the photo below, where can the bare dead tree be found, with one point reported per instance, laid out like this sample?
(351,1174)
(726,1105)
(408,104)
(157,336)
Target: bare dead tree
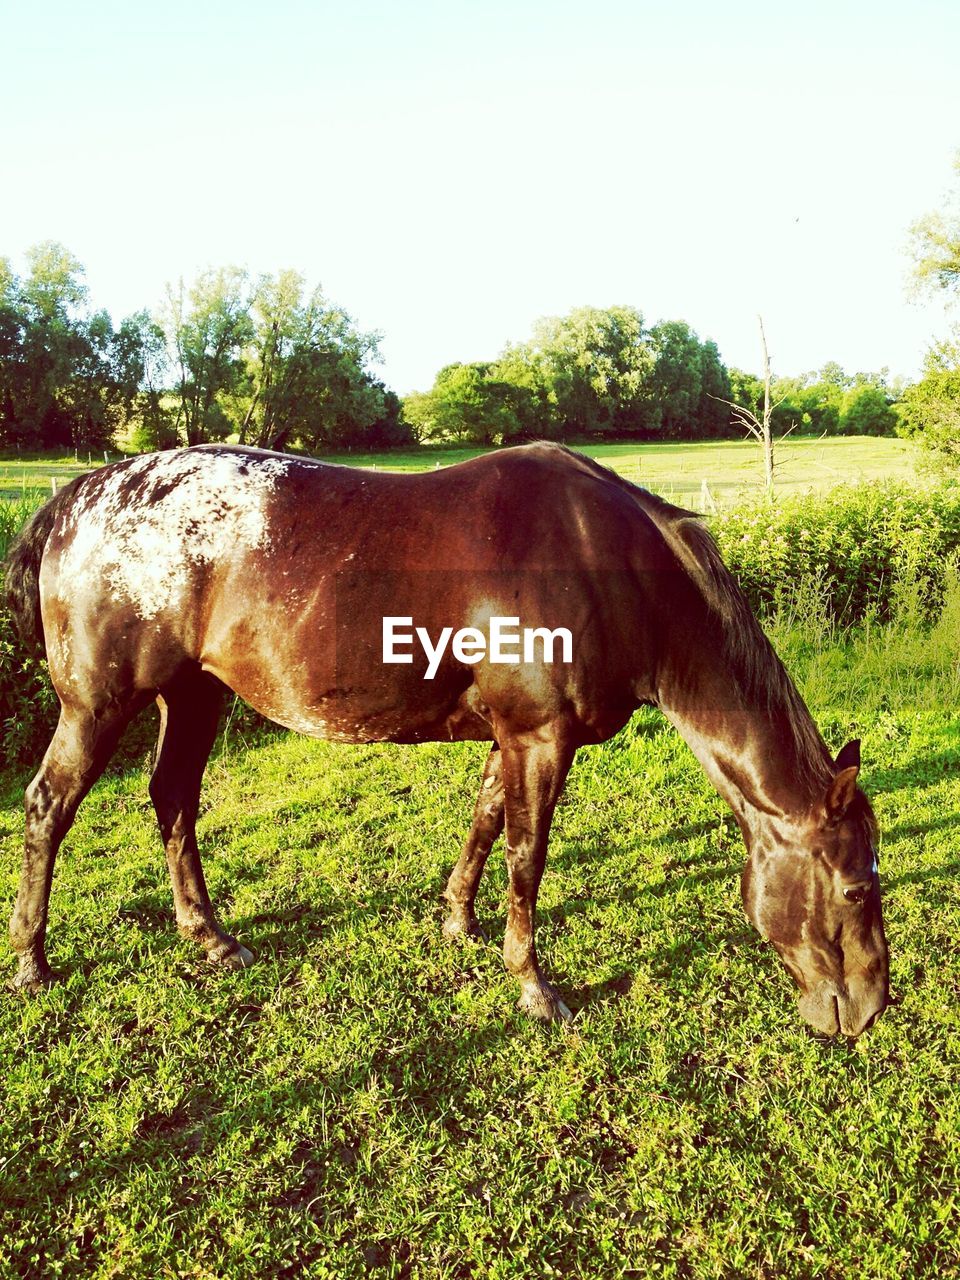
(759,428)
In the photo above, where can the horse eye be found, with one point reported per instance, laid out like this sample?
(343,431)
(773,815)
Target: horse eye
(857,893)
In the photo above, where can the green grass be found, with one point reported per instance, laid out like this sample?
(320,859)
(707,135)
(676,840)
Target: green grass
(732,470)
(367,1100)
(28,477)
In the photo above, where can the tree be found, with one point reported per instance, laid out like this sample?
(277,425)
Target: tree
(757,422)
(686,383)
(306,372)
(66,377)
(532,401)
(141,364)
(206,328)
(470,403)
(929,411)
(50,298)
(746,391)
(596,364)
(715,387)
(391,430)
(54,289)
(935,244)
(675,381)
(12,329)
(867,411)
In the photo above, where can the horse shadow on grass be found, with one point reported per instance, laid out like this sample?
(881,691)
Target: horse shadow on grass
(331,1158)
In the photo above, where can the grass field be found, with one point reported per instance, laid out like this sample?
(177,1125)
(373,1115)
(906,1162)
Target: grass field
(731,469)
(366,1099)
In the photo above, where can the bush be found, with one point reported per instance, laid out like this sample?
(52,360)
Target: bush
(28,706)
(872,550)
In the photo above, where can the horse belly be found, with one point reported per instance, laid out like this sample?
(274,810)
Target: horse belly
(304,685)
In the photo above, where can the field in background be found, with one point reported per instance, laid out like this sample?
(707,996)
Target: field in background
(731,469)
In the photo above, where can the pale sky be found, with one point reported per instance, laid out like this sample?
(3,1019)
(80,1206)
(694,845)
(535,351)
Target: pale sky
(451,171)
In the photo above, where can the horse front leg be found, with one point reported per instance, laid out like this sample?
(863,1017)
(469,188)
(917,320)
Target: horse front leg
(461,890)
(535,767)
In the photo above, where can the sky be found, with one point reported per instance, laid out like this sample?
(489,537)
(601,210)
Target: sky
(451,171)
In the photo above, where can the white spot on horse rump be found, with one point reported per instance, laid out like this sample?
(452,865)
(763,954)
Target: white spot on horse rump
(144,526)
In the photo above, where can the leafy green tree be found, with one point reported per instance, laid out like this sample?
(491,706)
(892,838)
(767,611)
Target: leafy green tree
(532,400)
(687,384)
(831,402)
(597,364)
(50,298)
(806,405)
(676,379)
(867,411)
(140,363)
(935,243)
(54,288)
(306,372)
(715,387)
(391,430)
(929,411)
(469,403)
(746,391)
(207,327)
(12,328)
(88,391)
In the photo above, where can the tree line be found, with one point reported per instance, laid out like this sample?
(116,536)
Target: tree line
(602,374)
(264,360)
(268,361)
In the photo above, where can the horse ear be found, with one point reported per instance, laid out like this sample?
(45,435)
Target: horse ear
(843,788)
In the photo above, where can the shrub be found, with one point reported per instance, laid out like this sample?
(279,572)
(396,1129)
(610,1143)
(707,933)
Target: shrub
(28,707)
(871,549)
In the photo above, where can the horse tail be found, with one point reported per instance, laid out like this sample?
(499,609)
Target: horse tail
(22,578)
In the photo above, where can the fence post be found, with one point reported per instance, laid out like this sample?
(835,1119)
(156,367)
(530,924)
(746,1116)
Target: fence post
(53,485)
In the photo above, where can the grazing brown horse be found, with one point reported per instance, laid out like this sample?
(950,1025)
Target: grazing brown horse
(176,575)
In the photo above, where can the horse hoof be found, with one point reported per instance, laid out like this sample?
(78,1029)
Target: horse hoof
(234,955)
(33,979)
(468,931)
(543,1002)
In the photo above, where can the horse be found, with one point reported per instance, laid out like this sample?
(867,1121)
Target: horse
(180,575)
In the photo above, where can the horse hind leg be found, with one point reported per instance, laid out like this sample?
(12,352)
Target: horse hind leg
(189,715)
(78,753)
(461,890)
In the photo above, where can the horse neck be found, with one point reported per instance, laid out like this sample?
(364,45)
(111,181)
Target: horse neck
(756,740)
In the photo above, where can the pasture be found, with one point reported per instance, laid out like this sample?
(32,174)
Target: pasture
(367,1100)
(732,469)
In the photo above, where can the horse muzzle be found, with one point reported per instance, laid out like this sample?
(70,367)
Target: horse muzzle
(849,1012)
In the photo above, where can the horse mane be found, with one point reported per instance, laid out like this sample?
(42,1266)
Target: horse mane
(745,649)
